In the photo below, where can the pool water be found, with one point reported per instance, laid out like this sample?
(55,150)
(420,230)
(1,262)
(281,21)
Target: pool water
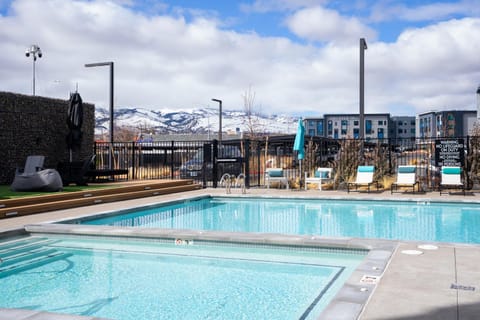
(422,221)
(132,279)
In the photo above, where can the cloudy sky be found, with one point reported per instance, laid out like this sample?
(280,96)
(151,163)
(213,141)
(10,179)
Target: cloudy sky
(299,57)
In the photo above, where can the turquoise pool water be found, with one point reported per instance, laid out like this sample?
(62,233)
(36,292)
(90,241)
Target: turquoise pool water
(128,280)
(423,221)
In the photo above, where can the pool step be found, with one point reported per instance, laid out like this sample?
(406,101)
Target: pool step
(27,253)
(34,262)
(20,243)
(32,205)
(26,256)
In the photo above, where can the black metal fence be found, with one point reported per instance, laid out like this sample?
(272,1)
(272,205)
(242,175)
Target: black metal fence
(207,161)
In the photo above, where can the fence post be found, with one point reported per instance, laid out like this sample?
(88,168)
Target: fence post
(214,163)
(247,163)
(172,158)
(259,151)
(389,150)
(133,160)
(466,163)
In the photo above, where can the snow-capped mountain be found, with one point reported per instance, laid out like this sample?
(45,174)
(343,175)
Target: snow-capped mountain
(195,121)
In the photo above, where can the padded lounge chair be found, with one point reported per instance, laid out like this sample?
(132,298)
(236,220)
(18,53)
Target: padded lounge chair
(275,175)
(451,178)
(32,165)
(321,175)
(364,178)
(406,177)
(33,177)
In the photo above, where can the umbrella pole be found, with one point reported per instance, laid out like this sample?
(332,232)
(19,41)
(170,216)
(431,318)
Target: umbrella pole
(300,180)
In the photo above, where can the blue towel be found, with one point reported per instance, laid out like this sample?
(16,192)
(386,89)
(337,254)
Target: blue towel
(454,170)
(275,173)
(366,169)
(409,169)
(321,174)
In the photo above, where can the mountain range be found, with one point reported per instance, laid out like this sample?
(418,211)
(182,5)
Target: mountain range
(202,120)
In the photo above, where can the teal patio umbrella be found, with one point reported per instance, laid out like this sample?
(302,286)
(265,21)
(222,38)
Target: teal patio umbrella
(300,143)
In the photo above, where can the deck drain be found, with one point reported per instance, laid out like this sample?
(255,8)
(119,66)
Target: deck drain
(427,247)
(412,252)
(369,279)
(462,287)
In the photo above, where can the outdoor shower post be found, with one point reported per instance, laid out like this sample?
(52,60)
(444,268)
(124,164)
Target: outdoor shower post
(101,64)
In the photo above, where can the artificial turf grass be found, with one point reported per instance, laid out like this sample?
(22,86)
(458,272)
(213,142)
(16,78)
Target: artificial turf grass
(7,193)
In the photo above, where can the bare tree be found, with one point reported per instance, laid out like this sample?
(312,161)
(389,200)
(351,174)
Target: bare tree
(254,129)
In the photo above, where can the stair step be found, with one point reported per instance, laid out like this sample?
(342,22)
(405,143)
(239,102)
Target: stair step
(26,256)
(15,244)
(32,263)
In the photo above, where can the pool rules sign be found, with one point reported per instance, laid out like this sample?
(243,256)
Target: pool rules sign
(449,152)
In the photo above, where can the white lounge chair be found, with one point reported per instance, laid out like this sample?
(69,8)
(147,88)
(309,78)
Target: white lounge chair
(364,178)
(406,177)
(275,175)
(451,178)
(321,175)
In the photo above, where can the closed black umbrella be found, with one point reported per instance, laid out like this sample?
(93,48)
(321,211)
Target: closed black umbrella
(74,122)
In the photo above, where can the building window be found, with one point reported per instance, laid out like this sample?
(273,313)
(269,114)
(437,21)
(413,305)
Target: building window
(368,127)
(320,128)
(311,132)
(380,122)
(356,133)
(355,122)
(380,133)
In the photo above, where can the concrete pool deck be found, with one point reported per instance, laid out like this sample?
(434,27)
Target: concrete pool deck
(443,283)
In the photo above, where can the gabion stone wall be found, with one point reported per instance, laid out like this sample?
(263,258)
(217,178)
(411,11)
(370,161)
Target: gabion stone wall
(32,125)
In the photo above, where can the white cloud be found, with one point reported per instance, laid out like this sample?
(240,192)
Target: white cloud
(164,61)
(325,25)
(384,11)
(262,6)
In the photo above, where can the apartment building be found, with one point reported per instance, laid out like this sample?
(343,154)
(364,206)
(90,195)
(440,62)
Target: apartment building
(449,123)
(402,127)
(347,126)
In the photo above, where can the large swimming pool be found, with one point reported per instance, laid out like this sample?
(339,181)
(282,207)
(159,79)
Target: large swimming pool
(420,221)
(160,279)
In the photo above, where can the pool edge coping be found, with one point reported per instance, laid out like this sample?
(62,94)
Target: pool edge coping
(348,302)
(344,299)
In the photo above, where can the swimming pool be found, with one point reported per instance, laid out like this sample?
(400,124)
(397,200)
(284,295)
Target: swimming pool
(419,221)
(160,279)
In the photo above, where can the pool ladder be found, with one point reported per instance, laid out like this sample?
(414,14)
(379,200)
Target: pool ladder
(241,177)
(227,178)
(227,181)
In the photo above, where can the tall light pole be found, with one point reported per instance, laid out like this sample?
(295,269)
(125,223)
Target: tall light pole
(101,64)
(35,51)
(219,120)
(363,47)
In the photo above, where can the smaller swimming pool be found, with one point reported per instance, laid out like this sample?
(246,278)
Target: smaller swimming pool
(170,279)
(420,221)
